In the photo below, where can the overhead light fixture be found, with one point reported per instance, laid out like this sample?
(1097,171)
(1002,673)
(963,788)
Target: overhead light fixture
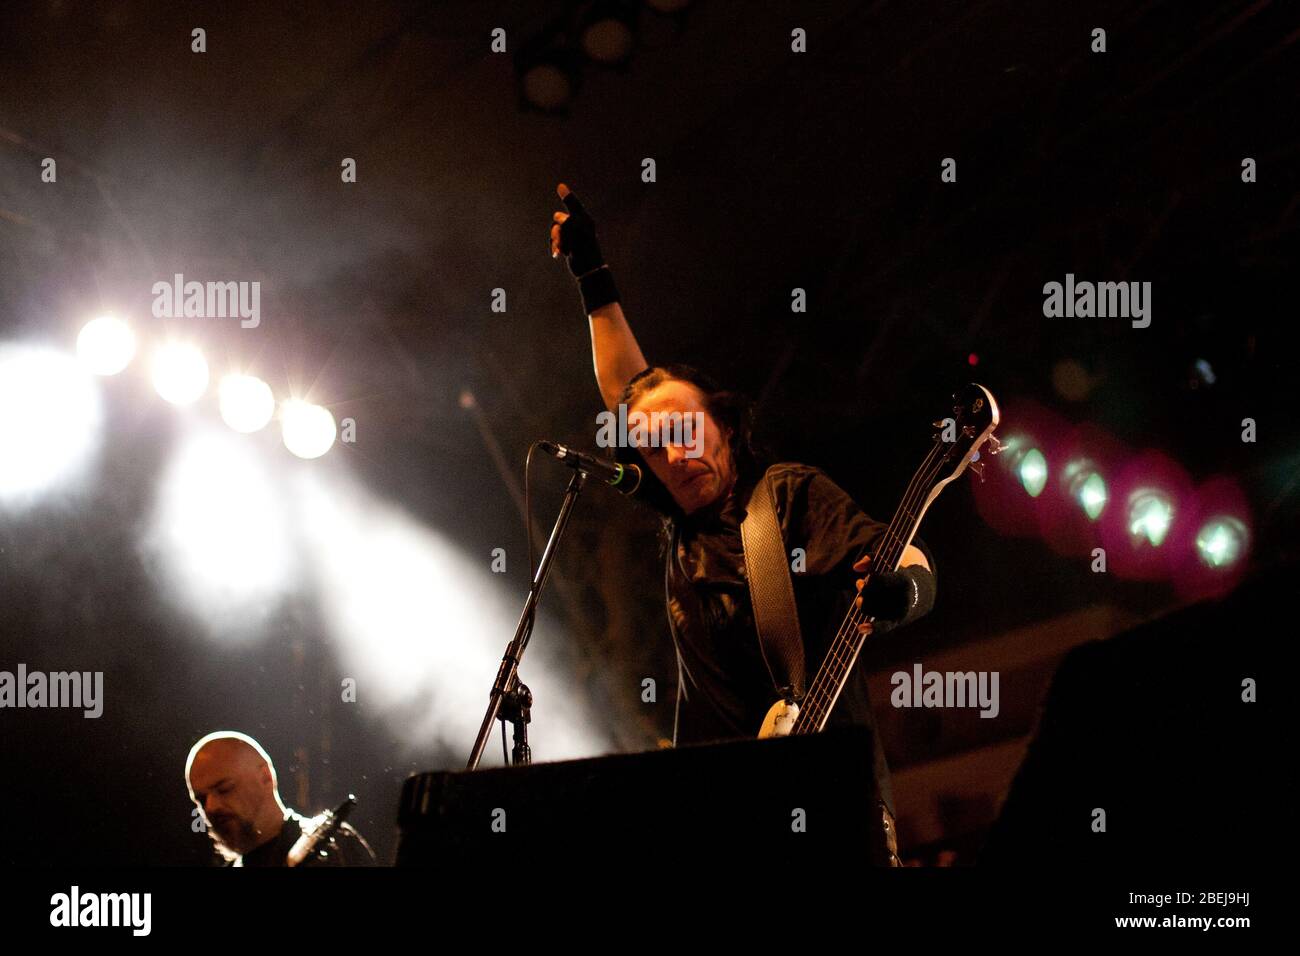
(105,345)
(1221,541)
(608,31)
(1150,513)
(180,373)
(308,429)
(1085,485)
(549,71)
(246,403)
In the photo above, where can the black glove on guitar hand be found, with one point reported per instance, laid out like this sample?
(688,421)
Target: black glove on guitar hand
(573,235)
(895,598)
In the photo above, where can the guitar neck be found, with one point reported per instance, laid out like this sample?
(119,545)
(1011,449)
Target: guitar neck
(825,689)
(956,447)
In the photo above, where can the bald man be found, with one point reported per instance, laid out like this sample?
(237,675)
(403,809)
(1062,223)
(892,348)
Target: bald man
(232,781)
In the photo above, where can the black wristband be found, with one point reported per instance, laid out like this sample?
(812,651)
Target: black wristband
(895,598)
(922,587)
(597,288)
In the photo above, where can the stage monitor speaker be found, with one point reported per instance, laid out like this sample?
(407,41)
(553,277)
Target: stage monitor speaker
(1150,748)
(791,799)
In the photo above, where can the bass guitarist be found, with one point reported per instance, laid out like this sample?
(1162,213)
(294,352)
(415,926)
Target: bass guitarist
(725,683)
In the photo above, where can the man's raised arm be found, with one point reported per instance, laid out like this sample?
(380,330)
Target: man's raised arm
(615,353)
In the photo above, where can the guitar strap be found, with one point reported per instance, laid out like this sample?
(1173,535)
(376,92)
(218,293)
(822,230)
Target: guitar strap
(771,592)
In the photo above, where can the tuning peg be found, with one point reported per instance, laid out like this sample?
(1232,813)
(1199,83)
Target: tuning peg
(995,446)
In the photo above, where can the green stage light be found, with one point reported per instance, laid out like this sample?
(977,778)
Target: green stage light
(1032,471)
(1150,513)
(1221,541)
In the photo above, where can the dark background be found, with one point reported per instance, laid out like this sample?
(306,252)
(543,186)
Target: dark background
(775,171)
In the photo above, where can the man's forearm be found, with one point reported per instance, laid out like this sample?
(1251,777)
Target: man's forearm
(615,353)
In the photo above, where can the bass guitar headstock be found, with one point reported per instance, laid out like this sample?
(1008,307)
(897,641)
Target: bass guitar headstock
(962,437)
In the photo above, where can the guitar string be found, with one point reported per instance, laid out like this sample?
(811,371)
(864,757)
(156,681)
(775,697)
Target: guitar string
(818,700)
(834,664)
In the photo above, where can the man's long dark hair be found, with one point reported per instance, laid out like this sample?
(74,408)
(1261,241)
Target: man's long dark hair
(731,410)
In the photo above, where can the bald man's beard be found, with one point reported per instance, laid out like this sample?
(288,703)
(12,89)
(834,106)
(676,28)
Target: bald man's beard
(245,834)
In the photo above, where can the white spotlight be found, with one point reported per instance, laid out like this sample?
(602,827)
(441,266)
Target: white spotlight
(51,415)
(422,623)
(105,345)
(309,430)
(180,373)
(246,402)
(221,534)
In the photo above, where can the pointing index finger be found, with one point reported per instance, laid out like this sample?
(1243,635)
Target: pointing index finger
(569,199)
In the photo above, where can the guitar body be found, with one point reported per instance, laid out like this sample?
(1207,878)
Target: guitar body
(956,447)
(780,719)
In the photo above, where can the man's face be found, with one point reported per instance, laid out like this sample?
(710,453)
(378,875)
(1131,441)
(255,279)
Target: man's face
(232,791)
(697,482)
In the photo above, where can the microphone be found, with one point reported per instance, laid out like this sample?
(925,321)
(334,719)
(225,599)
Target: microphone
(625,479)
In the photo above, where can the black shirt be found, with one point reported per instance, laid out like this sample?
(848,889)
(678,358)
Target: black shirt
(726,689)
(346,848)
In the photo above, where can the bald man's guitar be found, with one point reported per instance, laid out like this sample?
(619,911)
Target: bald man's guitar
(315,839)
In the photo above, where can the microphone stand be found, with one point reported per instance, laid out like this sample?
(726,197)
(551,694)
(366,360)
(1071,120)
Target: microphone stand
(511,700)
